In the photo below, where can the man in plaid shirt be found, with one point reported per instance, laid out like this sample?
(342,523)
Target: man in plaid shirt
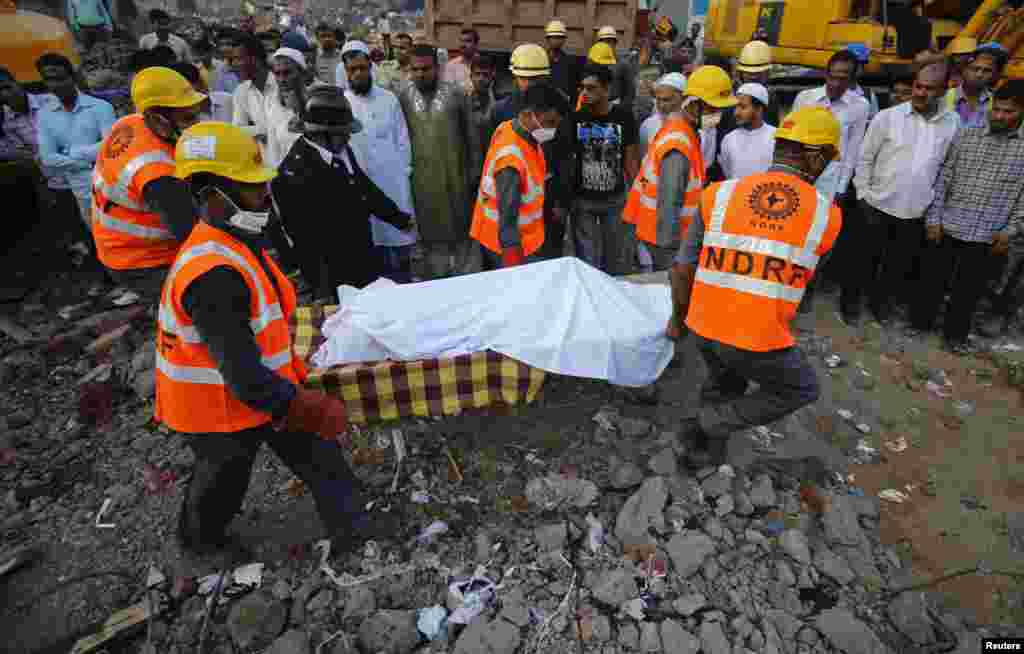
(978,209)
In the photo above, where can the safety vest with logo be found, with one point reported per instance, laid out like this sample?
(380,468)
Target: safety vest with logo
(510,150)
(642,204)
(191,394)
(763,237)
(128,234)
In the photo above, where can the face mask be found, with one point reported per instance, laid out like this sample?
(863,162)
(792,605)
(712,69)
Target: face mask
(251,222)
(542,134)
(710,121)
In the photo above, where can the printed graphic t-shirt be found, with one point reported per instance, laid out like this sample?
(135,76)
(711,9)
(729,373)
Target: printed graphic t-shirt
(600,143)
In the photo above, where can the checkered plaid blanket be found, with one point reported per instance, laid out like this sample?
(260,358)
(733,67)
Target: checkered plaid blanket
(388,390)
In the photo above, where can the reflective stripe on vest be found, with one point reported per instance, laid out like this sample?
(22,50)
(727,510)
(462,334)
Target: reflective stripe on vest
(763,238)
(642,204)
(268,312)
(212,376)
(119,192)
(131,229)
(508,145)
(192,395)
(805,257)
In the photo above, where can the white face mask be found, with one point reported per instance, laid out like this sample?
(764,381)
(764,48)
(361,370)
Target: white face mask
(710,121)
(251,222)
(542,134)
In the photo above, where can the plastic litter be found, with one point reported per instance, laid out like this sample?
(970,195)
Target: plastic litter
(473,596)
(864,453)
(845,414)
(398,440)
(774,527)
(467,499)
(537,616)
(834,361)
(419,479)
(964,408)
(898,445)
(420,497)
(431,622)
(433,530)
(155,578)
(864,428)
(131,297)
(533,459)
(941,392)
(595,533)
(1007,347)
(102,512)
(727,471)
(634,608)
(893,495)
(240,581)
(606,418)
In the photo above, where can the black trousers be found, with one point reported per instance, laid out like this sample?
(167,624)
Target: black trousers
(969,267)
(886,260)
(220,478)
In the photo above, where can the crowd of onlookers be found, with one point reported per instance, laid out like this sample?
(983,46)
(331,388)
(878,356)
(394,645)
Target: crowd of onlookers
(930,186)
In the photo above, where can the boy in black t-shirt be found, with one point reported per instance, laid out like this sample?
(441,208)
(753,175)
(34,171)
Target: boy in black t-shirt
(601,139)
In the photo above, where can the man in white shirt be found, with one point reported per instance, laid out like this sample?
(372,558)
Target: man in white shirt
(282,104)
(902,153)
(247,58)
(161,21)
(750,148)
(850,109)
(384,152)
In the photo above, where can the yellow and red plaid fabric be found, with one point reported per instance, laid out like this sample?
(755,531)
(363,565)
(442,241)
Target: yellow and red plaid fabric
(388,390)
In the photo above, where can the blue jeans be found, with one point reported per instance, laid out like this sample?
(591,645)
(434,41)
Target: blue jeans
(397,262)
(786,382)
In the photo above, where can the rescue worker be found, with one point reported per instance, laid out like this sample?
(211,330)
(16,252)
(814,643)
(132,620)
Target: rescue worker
(565,68)
(508,220)
(141,211)
(227,377)
(739,278)
(664,196)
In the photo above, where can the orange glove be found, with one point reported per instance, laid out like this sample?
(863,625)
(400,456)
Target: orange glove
(511,257)
(313,412)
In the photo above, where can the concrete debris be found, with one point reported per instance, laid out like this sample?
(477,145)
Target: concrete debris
(848,634)
(390,632)
(642,512)
(688,551)
(554,491)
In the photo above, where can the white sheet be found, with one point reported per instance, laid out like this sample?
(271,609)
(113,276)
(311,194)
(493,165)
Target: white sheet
(562,316)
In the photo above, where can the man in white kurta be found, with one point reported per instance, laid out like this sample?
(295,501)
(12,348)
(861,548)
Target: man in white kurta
(750,148)
(385,154)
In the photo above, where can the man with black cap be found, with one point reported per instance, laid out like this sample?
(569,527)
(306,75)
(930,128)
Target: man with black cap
(321,171)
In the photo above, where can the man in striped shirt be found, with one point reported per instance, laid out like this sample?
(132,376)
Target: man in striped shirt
(978,208)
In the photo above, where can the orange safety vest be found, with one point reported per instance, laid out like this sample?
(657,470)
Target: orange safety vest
(128,234)
(763,237)
(510,150)
(642,204)
(191,395)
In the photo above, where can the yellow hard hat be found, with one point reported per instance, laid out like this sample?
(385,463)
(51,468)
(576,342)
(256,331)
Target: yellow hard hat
(963,45)
(602,53)
(220,149)
(530,60)
(811,126)
(162,87)
(607,32)
(755,57)
(712,85)
(555,28)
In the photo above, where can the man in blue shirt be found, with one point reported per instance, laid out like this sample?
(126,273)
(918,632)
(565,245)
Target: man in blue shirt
(90,20)
(71,126)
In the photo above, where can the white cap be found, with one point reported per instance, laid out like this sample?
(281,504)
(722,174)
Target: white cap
(754,90)
(355,46)
(675,81)
(290,53)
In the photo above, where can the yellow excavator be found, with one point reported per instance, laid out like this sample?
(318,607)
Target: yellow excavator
(805,33)
(26,35)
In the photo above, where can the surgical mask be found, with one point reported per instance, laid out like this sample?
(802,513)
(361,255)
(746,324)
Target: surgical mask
(710,121)
(542,134)
(251,222)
